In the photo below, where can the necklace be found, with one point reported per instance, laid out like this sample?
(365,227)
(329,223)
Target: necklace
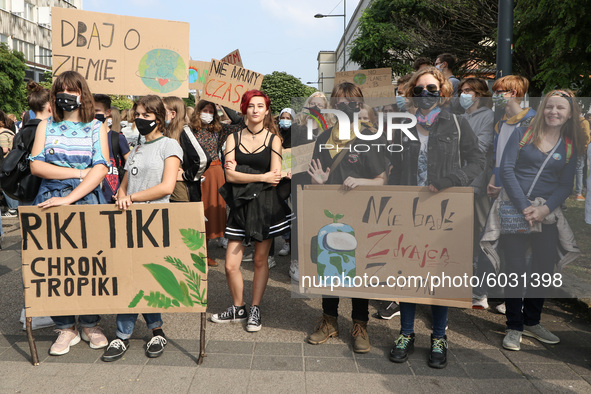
(255,134)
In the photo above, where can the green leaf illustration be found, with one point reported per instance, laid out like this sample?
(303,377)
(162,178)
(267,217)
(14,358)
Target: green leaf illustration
(199,262)
(192,238)
(168,281)
(136,299)
(185,291)
(158,300)
(339,216)
(328,214)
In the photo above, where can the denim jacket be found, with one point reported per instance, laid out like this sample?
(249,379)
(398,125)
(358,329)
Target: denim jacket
(444,168)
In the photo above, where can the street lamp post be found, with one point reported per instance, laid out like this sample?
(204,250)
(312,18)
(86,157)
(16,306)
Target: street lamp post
(344,15)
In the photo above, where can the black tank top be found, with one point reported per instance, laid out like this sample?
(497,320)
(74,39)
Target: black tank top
(260,158)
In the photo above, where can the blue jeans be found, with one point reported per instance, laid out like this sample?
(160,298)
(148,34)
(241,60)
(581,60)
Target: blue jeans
(407,319)
(11,203)
(62,322)
(579,174)
(126,323)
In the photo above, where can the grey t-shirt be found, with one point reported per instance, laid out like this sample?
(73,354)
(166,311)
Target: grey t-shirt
(145,165)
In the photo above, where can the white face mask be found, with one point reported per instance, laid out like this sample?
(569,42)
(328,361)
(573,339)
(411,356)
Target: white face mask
(206,118)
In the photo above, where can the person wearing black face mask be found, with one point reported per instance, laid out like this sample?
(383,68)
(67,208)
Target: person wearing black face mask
(444,154)
(150,176)
(72,164)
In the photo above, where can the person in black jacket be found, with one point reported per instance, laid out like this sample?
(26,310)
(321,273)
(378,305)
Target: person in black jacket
(443,153)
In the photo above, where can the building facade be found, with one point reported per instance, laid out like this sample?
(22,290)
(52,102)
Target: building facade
(25,25)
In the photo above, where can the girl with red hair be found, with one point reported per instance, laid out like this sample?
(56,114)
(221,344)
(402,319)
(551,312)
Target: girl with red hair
(258,211)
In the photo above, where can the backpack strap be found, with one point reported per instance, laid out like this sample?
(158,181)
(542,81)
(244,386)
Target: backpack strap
(529,134)
(526,137)
(459,138)
(115,148)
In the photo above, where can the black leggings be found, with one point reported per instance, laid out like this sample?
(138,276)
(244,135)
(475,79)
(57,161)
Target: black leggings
(330,306)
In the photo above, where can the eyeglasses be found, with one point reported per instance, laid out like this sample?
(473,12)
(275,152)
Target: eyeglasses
(431,88)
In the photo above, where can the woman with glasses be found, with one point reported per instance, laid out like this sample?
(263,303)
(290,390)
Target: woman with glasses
(444,154)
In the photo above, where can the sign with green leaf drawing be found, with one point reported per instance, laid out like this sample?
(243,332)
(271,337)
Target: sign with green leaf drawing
(88,259)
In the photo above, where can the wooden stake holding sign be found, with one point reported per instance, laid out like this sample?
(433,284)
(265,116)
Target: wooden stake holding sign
(96,259)
(387,242)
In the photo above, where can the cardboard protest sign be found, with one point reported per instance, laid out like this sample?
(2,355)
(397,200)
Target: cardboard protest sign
(233,58)
(226,83)
(97,259)
(301,156)
(121,54)
(198,71)
(390,241)
(365,79)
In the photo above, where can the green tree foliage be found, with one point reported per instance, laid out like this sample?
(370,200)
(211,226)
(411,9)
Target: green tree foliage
(553,44)
(282,87)
(121,102)
(13,96)
(393,33)
(552,40)
(190,100)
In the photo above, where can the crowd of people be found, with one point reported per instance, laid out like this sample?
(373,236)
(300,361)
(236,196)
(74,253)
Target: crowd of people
(161,151)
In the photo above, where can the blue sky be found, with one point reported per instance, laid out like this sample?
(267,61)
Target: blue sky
(272,35)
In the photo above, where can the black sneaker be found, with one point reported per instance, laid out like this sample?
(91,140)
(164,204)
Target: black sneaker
(232,314)
(438,356)
(115,350)
(404,346)
(254,319)
(155,347)
(392,309)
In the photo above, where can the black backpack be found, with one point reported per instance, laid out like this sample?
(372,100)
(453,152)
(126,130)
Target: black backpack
(15,176)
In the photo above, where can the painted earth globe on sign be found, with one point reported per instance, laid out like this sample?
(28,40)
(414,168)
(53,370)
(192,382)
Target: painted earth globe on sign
(359,79)
(162,70)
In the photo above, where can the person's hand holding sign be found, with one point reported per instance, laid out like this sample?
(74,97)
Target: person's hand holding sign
(318,175)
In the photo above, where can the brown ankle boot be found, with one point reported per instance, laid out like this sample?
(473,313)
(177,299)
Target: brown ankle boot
(327,327)
(360,337)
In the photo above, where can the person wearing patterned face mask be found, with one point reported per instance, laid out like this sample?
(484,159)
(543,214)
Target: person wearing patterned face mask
(72,164)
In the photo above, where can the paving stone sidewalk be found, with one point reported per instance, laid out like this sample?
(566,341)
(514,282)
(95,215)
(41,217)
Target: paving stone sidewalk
(277,359)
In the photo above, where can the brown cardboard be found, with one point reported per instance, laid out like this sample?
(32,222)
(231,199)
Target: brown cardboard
(365,79)
(226,83)
(198,74)
(99,264)
(121,54)
(394,237)
(301,156)
(233,58)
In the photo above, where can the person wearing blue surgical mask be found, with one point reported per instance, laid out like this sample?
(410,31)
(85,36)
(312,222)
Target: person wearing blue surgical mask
(474,97)
(286,117)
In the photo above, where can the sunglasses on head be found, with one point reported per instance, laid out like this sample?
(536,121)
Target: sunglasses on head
(431,88)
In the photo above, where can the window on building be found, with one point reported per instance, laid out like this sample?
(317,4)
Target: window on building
(29,11)
(44,57)
(26,48)
(3,5)
(3,38)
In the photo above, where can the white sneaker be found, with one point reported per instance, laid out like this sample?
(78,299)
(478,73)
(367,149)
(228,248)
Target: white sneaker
(479,302)
(271,262)
(248,257)
(285,249)
(501,308)
(294,271)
